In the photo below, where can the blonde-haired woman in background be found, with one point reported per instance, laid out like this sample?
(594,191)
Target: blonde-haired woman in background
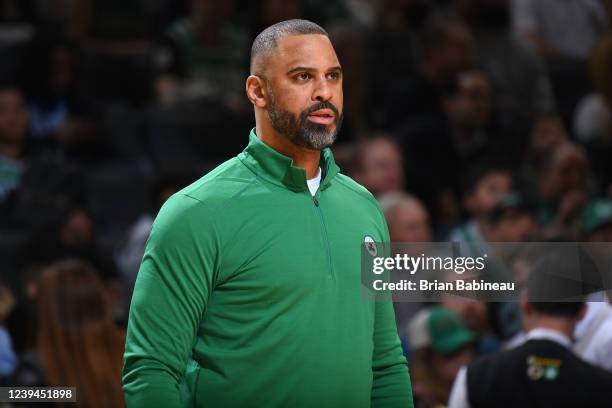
(79,345)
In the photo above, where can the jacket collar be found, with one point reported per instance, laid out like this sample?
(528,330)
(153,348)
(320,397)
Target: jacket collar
(279,169)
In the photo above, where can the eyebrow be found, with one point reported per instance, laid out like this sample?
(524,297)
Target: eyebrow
(310,69)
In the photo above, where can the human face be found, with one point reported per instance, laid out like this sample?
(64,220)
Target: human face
(476,92)
(304,86)
(459,49)
(487,193)
(409,223)
(13,116)
(567,172)
(515,227)
(382,169)
(546,134)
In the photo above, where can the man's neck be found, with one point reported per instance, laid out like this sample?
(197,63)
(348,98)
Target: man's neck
(307,159)
(560,325)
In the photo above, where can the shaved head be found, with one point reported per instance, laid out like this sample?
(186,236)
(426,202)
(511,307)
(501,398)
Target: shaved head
(295,86)
(265,43)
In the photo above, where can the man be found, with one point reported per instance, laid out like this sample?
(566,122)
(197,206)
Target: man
(249,290)
(543,371)
(378,164)
(414,112)
(485,184)
(406,216)
(441,344)
(566,29)
(408,222)
(202,56)
(594,333)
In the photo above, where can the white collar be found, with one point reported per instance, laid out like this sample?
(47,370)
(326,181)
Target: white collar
(548,334)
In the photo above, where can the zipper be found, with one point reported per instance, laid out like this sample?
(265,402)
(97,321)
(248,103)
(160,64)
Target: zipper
(330,266)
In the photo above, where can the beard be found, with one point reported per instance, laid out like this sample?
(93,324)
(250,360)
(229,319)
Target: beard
(302,131)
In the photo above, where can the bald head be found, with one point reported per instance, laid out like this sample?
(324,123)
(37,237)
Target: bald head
(265,43)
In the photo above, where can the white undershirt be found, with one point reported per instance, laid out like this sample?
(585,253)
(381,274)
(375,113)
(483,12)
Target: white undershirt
(313,183)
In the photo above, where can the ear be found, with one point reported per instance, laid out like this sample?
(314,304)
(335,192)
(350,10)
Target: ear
(256,91)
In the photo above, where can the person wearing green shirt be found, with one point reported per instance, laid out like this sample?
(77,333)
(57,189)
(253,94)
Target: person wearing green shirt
(249,292)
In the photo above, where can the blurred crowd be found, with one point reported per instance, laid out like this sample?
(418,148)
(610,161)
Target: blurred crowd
(471,121)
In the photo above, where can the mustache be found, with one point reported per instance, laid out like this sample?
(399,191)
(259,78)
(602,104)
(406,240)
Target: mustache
(322,105)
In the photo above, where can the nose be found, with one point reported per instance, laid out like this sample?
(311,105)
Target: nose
(322,91)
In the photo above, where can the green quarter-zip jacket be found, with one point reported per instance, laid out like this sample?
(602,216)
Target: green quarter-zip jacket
(249,295)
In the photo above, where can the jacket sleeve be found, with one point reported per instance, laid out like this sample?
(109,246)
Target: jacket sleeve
(173,285)
(391,386)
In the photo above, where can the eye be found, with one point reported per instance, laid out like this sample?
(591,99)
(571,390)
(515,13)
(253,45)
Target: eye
(303,76)
(334,76)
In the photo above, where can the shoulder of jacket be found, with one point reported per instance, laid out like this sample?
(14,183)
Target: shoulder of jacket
(484,364)
(223,183)
(356,188)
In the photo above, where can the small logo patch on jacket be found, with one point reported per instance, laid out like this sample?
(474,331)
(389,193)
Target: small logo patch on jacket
(370,245)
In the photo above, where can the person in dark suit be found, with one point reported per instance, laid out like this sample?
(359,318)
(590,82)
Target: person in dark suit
(543,371)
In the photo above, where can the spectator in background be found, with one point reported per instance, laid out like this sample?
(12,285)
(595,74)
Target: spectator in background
(34,180)
(560,29)
(78,344)
(447,50)
(564,189)
(351,46)
(406,216)
(391,54)
(417,116)
(593,116)
(129,252)
(486,183)
(59,111)
(547,133)
(596,221)
(8,360)
(441,345)
(481,318)
(69,233)
(473,313)
(543,371)
(203,56)
(563,33)
(520,83)
(513,219)
(593,333)
(13,128)
(378,164)
(410,232)
(468,108)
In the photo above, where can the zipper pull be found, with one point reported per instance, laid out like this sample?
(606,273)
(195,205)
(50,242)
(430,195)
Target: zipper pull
(316,200)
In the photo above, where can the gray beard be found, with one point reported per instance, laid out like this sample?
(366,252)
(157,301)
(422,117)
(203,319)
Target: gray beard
(302,132)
